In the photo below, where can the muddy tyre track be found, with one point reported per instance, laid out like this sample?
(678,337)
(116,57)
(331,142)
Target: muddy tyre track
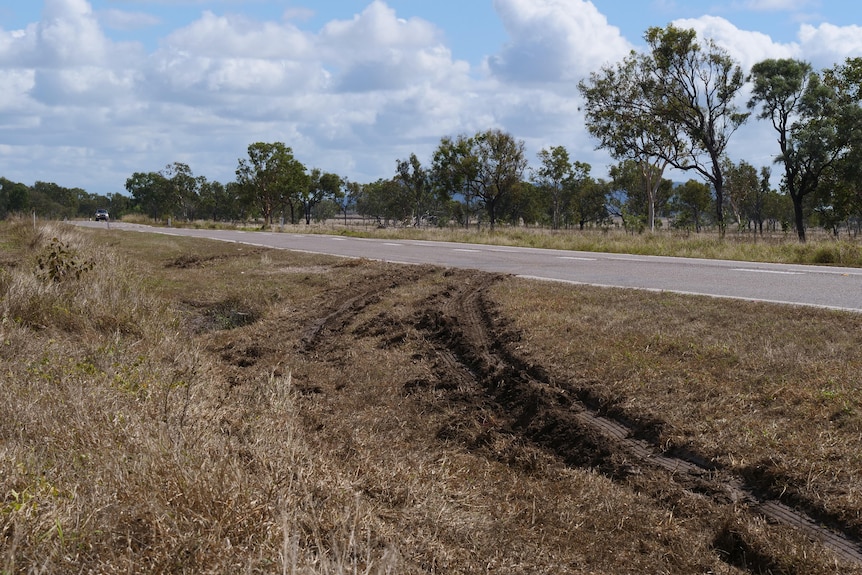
(469,342)
(349,302)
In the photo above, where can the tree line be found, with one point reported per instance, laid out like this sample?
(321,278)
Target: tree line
(675,105)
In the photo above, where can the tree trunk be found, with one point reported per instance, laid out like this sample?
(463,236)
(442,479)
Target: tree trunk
(799,217)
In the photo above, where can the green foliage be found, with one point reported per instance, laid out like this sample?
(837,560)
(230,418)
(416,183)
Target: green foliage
(272,178)
(59,263)
(487,168)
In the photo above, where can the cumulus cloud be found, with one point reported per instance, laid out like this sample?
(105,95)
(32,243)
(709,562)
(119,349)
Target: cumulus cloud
(554,40)
(350,97)
(122,20)
(745,46)
(218,57)
(827,45)
(69,34)
(823,46)
(375,50)
(238,37)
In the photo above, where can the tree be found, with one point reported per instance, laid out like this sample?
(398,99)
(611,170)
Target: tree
(348,198)
(384,201)
(149,192)
(589,197)
(117,205)
(454,173)
(524,205)
(14,197)
(52,200)
(756,207)
(269,176)
(644,193)
(844,183)
(319,186)
(487,167)
(779,88)
(696,88)
(815,125)
(417,186)
(552,179)
(691,202)
(622,104)
(181,191)
(741,187)
(500,165)
(215,201)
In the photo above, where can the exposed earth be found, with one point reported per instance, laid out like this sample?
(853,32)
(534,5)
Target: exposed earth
(392,344)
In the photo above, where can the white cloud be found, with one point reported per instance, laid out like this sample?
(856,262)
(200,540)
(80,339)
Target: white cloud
(745,46)
(828,45)
(823,46)
(123,20)
(85,86)
(376,28)
(555,40)
(69,34)
(351,98)
(378,51)
(238,37)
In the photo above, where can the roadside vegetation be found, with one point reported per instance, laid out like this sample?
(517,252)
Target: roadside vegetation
(820,248)
(174,405)
(667,117)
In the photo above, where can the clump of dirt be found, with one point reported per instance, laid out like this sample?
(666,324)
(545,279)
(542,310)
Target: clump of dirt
(227,314)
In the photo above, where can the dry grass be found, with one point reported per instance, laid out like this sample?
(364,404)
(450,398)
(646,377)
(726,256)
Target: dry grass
(822,248)
(770,392)
(199,407)
(117,450)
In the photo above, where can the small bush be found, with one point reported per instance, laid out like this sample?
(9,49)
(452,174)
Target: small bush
(59,263)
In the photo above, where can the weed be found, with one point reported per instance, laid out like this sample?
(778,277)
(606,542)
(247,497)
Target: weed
(59,263)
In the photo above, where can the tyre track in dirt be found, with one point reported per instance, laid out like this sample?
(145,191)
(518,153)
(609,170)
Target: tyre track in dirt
(350,302)
(474,361)
(575,426)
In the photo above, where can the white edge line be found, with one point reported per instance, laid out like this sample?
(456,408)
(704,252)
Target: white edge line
(764,271)
(689,293)
(538,278)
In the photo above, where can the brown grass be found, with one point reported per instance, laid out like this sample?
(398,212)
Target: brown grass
(199,407)
(771,392)
(821,248)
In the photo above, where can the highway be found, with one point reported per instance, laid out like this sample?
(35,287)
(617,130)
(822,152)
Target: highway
(819,286)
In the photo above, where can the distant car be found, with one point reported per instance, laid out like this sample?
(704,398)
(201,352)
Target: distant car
(102,215)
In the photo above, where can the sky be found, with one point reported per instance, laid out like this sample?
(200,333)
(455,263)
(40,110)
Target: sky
(96,90)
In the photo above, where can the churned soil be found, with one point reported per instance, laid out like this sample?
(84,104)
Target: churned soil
(479,454)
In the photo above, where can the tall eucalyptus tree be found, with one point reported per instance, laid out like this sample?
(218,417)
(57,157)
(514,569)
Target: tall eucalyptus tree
(621,104)
(816,122)
(269,176)
(697,86)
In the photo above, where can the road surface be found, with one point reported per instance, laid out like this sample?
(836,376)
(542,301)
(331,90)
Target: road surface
(820,286)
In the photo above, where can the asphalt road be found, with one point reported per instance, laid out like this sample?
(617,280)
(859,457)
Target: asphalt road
(820,286)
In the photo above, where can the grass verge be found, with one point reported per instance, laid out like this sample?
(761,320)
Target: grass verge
(191,406)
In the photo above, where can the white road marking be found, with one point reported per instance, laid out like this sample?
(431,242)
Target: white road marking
(578,259)
(759,271)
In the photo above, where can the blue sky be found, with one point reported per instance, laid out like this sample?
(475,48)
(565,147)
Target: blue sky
(95,90)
